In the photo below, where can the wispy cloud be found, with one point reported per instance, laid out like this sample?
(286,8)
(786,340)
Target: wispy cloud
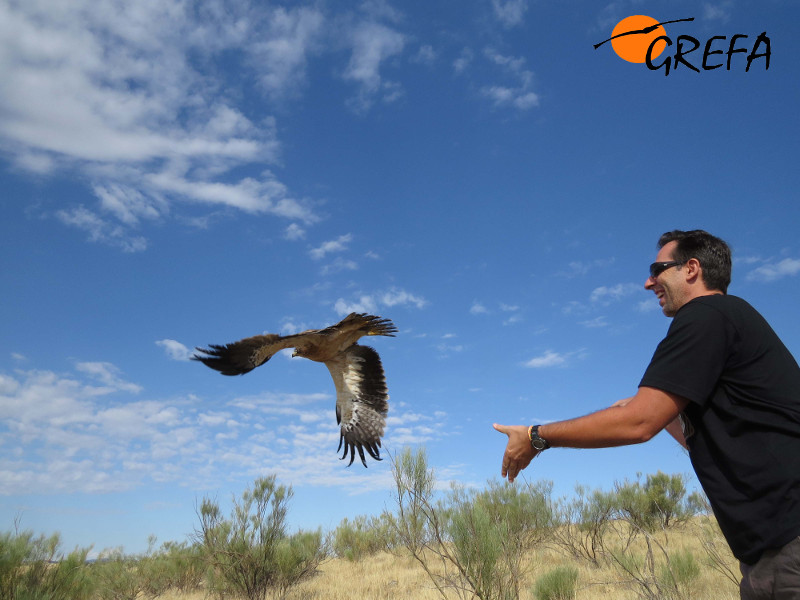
(510,12)
(478,309)
(175,350)
(294,232)
(464,60)
(338,265)
(773,271)
(518,95)
(547,360)
(717,11)
(595,323)
(281,56)
(579,268)
(337,245)
(372,44)
(607,294)
(109,376)
(373,303)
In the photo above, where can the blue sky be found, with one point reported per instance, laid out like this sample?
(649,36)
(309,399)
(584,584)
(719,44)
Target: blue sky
(175,174)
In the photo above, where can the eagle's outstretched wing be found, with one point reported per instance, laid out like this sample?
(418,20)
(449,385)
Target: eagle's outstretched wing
(238,358)
(361,401)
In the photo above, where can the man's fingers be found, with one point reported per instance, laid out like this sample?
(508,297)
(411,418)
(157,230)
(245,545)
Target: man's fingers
(501,428)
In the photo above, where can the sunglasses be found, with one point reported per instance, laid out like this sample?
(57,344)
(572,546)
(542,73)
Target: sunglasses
(657,268)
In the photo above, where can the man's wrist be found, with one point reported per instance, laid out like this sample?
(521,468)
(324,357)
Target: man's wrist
(537,441)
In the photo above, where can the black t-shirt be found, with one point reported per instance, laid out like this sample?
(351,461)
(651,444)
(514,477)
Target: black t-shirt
(743,419)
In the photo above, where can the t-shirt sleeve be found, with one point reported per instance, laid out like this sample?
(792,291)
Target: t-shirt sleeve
(689,361)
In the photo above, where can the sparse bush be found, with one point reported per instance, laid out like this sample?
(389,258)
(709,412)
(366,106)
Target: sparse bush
(33,567)
(558,584)
(657,504)
(680,571)
(492,530)
(361,537)
(297,557)
(177,566)
(478,538)
(118,577)
(582,524)
(251,553)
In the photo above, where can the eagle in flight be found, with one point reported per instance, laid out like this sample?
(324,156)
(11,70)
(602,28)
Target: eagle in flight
(361,396)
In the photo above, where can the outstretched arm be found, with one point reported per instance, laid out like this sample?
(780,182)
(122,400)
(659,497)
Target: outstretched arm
(630,421)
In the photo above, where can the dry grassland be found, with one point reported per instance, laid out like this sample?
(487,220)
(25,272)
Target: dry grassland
(386,576)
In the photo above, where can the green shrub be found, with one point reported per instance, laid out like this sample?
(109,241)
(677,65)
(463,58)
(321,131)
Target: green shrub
(33,568)
(117,576)
(680,573)
(657,504)
(361,537)
(251,553)
(477,539)
(558,584)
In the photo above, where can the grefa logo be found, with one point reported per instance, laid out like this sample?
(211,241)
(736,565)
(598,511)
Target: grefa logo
(642,39)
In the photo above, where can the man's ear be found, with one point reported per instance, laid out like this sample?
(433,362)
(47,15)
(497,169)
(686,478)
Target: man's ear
(693,270)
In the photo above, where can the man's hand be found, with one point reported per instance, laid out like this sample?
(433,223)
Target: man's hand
(519,452)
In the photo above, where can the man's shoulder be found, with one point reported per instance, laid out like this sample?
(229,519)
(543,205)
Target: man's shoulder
(722,303)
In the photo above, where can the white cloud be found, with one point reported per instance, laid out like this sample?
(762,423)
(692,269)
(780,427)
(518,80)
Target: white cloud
(397,296)
(510,12)
(646,306)
(464,60)
(337,245)
(787,267)
(477,309)
(595,323)
(425,55)
(338,265)
(101,230)
(606,294)
(294,232)
(578,268)
(447,349)
(175,350)
(363,304)
(719,11)
(282,56)
(109,375)
(520,95)
(373,303)
(548,359)
(372,45)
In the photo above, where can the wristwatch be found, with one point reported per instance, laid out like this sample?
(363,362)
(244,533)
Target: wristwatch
(538,442)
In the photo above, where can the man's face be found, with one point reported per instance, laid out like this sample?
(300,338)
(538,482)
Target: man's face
(669,286)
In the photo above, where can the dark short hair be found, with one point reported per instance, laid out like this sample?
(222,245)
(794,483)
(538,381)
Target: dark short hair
(713,254)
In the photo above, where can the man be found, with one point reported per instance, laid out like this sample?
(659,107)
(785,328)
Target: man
(724,385)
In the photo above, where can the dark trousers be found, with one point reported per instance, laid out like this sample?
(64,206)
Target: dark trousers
(776,576)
